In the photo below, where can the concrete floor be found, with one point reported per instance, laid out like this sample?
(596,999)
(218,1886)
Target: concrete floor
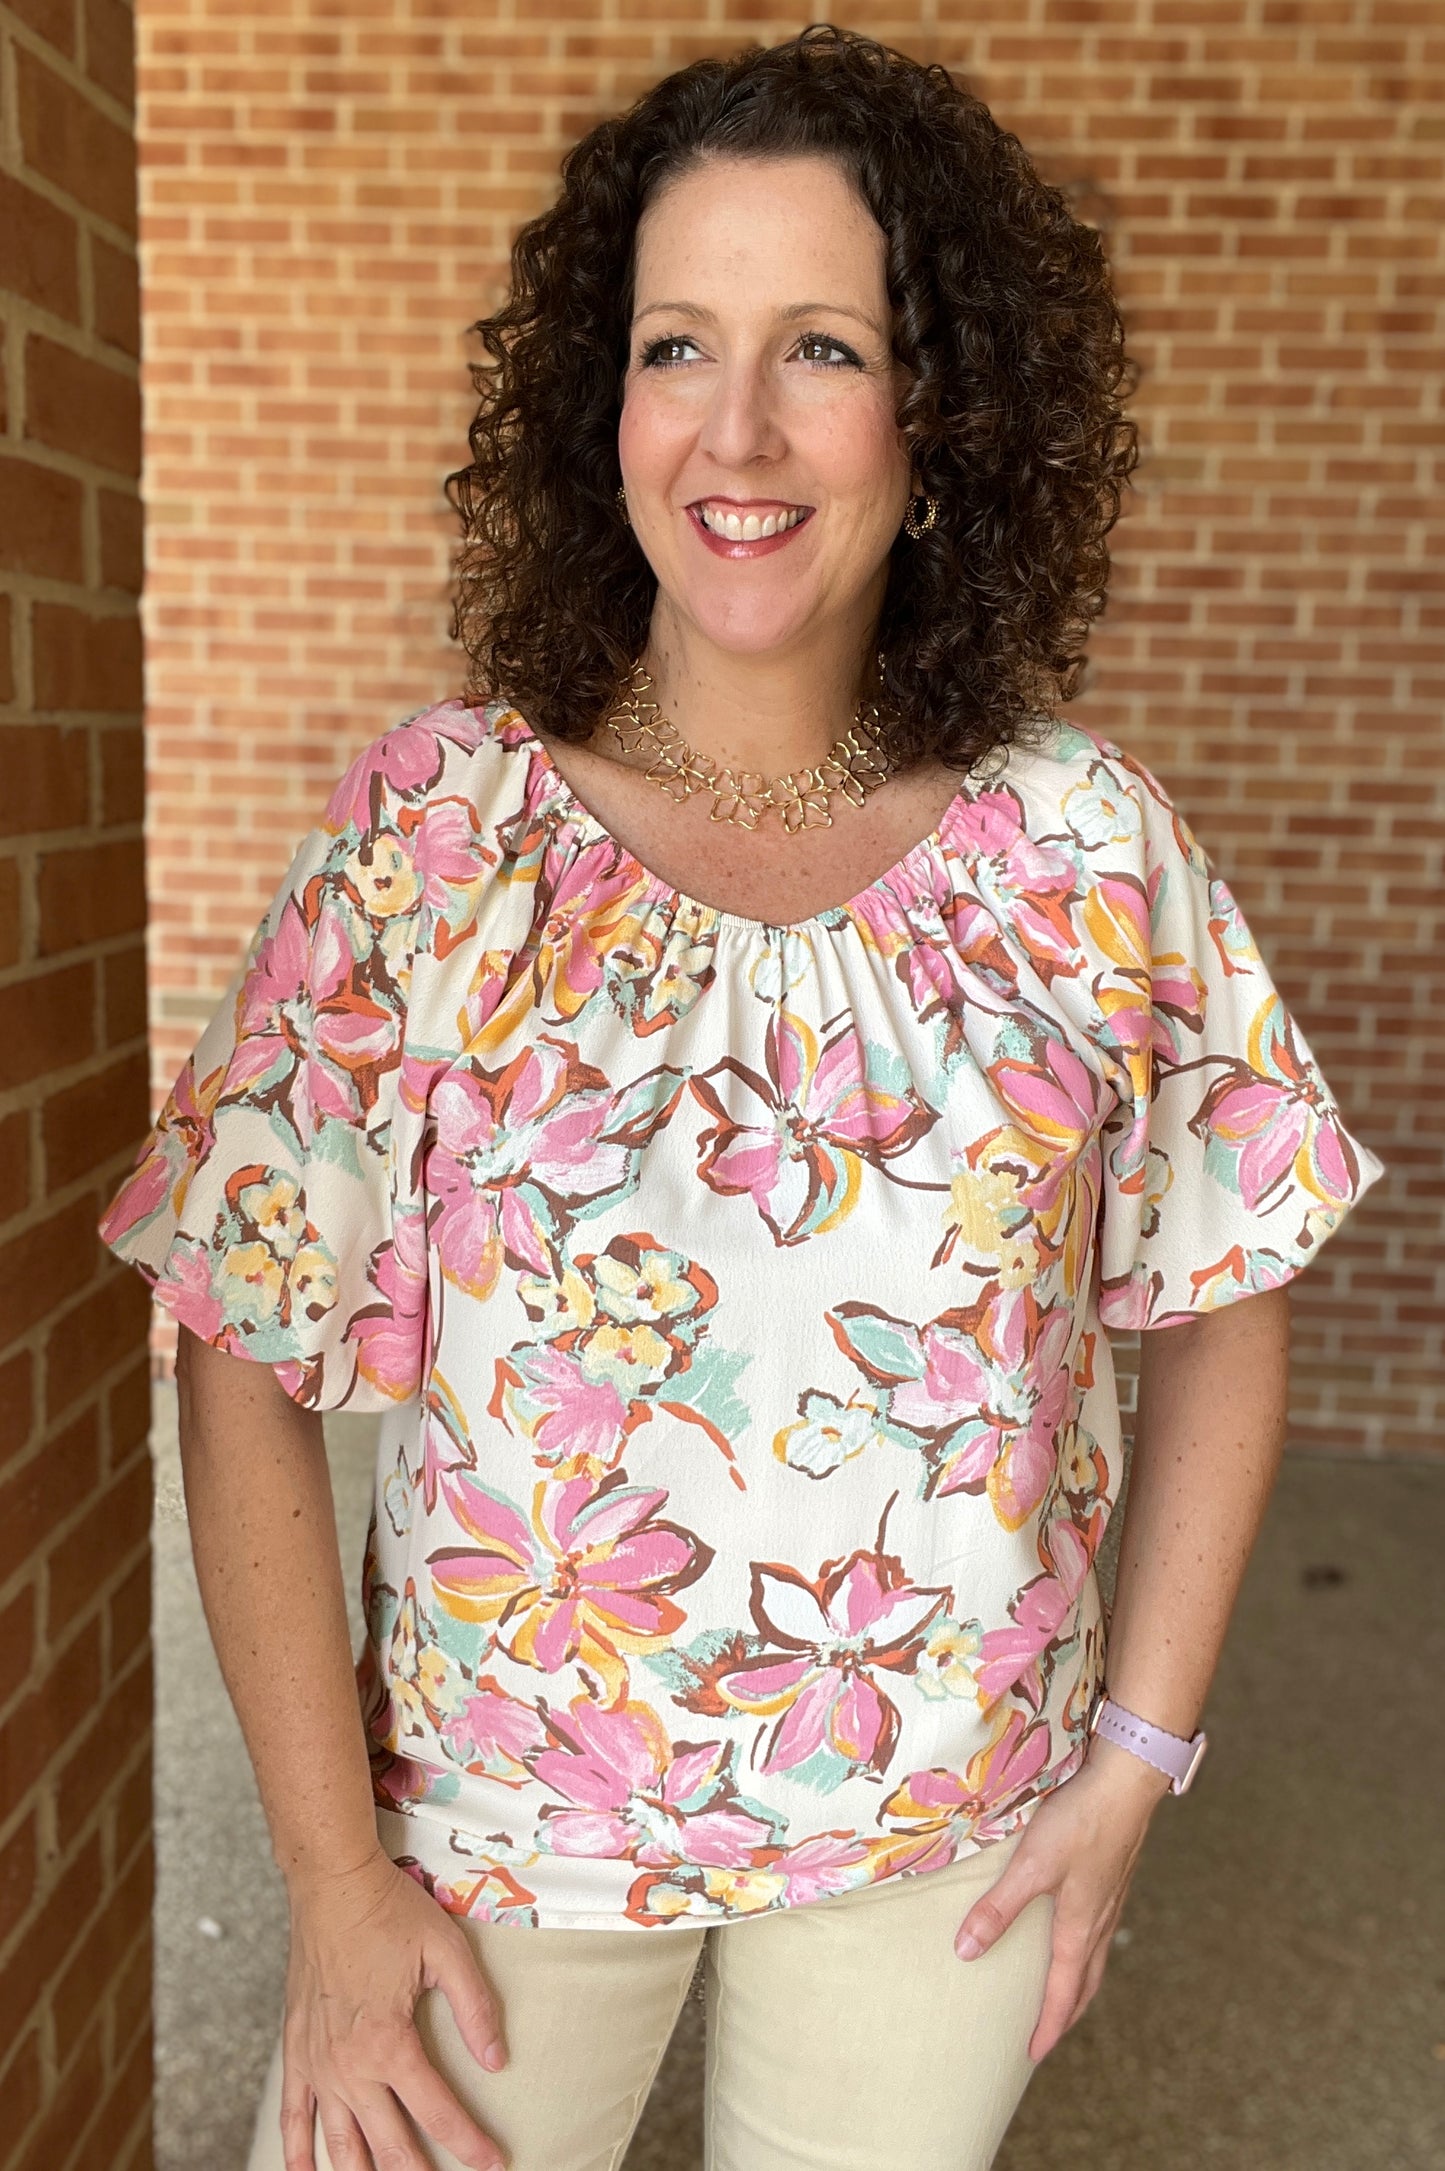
(1275,2001)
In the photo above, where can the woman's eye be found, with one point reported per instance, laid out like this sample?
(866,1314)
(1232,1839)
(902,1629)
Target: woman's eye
(653,355)
(817,339)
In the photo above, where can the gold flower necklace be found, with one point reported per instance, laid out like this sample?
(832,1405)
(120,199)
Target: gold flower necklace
(854,765)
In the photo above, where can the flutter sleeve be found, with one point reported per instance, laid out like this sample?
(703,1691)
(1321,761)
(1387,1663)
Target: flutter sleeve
(276,1206)
(1227,1163)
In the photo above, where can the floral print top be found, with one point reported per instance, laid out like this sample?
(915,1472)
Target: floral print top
(733,1293)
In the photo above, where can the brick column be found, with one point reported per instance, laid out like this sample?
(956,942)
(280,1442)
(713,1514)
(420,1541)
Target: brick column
(75,1489)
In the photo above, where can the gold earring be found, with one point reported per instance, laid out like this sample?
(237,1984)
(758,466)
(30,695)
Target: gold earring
(622,505)
(915,527)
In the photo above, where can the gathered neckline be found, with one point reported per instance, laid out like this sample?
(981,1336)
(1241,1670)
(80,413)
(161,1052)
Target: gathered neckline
(830,916)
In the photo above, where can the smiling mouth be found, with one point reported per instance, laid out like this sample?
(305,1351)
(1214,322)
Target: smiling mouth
(749,527)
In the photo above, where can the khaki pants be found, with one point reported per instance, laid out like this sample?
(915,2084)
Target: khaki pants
(843,2035)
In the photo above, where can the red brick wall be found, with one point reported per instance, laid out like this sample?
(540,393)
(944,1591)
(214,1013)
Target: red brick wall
(327,200)
(75,1483)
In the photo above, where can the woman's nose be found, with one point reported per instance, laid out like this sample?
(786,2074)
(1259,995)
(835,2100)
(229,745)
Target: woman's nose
(741,422)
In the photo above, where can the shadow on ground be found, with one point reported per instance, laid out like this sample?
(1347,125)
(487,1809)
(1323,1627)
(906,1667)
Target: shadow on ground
(1273,2001)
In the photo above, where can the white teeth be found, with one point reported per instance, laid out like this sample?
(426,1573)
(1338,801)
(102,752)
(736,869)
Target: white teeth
(746,528)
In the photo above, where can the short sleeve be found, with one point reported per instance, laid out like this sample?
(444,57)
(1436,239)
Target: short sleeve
(1227,1163)
(275,1207)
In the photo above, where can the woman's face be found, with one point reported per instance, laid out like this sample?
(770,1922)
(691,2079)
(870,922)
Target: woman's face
(761,381)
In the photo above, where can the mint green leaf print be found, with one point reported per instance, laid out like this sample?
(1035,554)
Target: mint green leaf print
(886,1350)
(708,1387)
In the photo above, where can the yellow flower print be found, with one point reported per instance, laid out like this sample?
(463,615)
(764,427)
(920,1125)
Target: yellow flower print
(982,1201)
(945,1666)
(384,878)
(250,1284)
(275,1210)
(313,1280)
(645,1288)
(425,1686)
(634,1356)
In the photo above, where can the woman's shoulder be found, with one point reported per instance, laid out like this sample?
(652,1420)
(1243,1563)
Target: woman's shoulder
(1063,780)
(449,748)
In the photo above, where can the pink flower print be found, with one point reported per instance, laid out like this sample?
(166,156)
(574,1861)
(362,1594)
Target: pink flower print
(816,1868)
(600,932)
(640,1795)
(985,1389)
(933,1810)
(548,1395)
(1268,1125)
(1153,998)
(590,1576)
(978,941)
(1057,1102)
(448,865)
(856,1617)
(463,1164)
(827,1113)
(309,1012)
(392,1337)
(776,1877)
(517,1153)
(1029,882)
(404,762)
(1030,1344)
(619,1336)
(148,1189)
(188,1294)
(493,1733)
(1038,1614)
(183,1136)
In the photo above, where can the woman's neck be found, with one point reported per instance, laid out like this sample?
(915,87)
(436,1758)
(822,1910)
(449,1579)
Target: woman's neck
(770,714)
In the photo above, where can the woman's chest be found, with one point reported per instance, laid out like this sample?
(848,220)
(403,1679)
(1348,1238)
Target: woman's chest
(764,873)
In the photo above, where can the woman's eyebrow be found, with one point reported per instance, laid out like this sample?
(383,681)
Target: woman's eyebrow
(794,309)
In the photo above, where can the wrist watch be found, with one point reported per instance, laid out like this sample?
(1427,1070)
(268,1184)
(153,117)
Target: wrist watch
(1170,1753)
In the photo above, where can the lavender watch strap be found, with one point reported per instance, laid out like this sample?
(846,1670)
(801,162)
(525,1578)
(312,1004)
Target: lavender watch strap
(1167,1752)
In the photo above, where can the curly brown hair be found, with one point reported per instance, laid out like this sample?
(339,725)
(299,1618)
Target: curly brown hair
(1002,312)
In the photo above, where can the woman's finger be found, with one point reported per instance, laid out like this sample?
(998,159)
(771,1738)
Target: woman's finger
(1093,1975)
(452,1968)
(385,2136)
(1061,1990)
(991,1914)
(343,2137)
(439,2114)
(297,2122)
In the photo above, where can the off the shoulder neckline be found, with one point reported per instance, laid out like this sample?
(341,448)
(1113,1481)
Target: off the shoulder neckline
(511,729)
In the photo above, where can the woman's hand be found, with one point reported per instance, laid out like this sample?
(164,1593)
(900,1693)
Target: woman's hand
(364,1945)
(1081,1844)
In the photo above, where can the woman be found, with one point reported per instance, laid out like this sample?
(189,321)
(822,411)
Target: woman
(729,1213)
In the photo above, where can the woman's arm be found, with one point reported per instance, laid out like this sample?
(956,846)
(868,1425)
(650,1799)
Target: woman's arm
(1210,1430)
(1207,1443)
(262,1520)
(366,1939)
